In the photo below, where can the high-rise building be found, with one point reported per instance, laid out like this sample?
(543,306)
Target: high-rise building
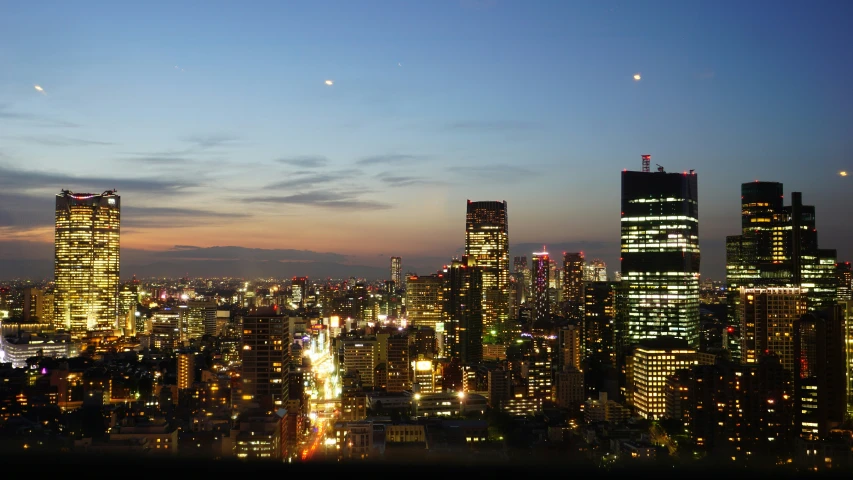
(198,319)
(570,348)
(425,300)
(463,310)
(844,277)
(360,357)
(573,289)
(35,305)
(487,245)
(660,255)
(778,247)
(266,357)
(767,318)
(539,289)
(819,373)
(595,271)
(186,370)
(522,271)
(650,365)
(599,334)
(397,271)
(298,291)
(397,364)
(86,262)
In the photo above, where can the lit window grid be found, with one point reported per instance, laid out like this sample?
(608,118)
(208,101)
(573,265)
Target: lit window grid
(650,371)
(86,268)
(662,304)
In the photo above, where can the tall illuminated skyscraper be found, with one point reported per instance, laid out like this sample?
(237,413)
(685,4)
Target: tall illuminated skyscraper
(778,247)
(397,271)
(487,245)
(86,261)
(573,286)
(660,255)
(463,310)
(539,289)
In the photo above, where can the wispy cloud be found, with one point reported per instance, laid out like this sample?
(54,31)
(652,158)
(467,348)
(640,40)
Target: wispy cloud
(498,172)
(171,160)
(152,217)
(60,141)
(305,161)
(308,179)
(488,126)
(706,75)
(249,254)
(325,199)
(391,159)
(196,145)
(305,181)
(395,180)
(12,115)
(13,179)
(204,142)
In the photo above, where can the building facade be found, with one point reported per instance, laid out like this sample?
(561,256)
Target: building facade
(487,245)
(86,262)
(660,255)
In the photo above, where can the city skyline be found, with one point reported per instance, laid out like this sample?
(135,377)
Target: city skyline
(205,150)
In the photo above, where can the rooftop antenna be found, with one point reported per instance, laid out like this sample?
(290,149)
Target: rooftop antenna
(660,168)
(647,159)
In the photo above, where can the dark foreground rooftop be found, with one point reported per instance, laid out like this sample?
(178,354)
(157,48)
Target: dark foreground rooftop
(94,467)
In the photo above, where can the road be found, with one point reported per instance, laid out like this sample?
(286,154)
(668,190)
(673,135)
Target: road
(324,400)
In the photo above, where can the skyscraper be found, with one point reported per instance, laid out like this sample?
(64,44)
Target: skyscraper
(844,277)
(397,271)
(595,271)
(819,373)
(660,255)
(425,300)
(266,357)
(464,311)
(539,290)
(86,261)
(573,286)
(778,247)
(487,245)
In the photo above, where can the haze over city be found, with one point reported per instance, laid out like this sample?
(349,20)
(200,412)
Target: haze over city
(347,132)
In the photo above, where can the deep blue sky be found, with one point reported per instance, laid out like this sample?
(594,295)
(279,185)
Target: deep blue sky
(218,113)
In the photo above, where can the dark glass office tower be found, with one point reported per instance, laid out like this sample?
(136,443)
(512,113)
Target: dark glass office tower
(463,310)
(660,255)
(778,247)
(573,285)
(487,245)
(819,373)
(539,289)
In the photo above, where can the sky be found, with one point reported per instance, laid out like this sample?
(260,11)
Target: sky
(216,124)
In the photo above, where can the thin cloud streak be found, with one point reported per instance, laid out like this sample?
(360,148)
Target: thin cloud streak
(323,199)
(393,180)
(391,159)
(305,161)
(18,180)
(60,141)
(499,172)
(7,114)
